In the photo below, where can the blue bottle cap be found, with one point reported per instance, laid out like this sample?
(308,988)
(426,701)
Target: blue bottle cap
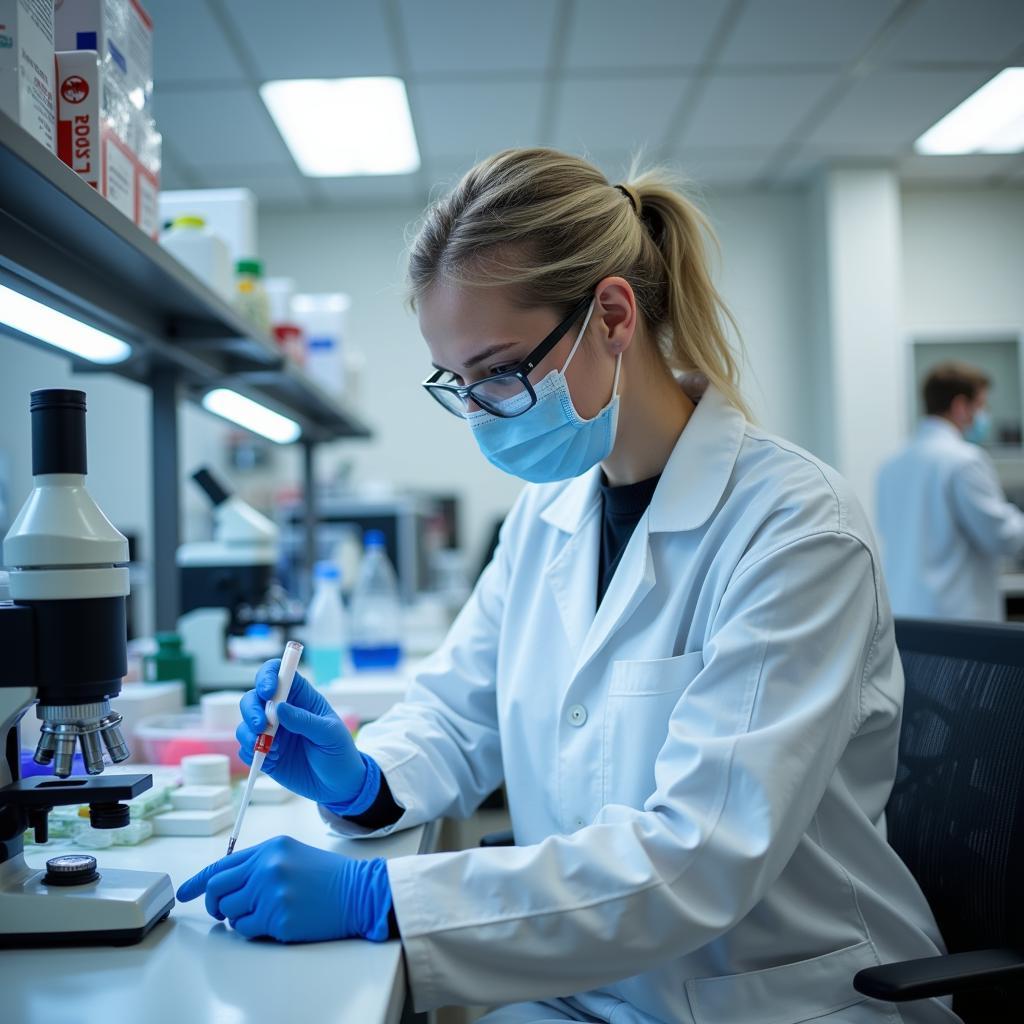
(326,570)
(258,629)
(374,539)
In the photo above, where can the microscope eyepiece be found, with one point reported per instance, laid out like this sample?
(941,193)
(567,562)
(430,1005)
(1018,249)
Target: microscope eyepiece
(58,431)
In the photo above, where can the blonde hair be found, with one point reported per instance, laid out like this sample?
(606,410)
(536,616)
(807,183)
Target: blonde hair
(551,226)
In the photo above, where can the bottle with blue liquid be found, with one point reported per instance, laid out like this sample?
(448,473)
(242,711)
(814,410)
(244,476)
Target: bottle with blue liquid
(325,625)
(376,611)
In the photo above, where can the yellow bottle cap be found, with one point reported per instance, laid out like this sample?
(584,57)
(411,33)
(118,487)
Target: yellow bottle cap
(188,221)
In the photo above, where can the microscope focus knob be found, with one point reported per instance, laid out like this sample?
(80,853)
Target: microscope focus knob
(71,869)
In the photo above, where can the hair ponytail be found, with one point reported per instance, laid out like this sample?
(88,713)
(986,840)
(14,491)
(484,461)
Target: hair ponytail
(693,318)
(550,225)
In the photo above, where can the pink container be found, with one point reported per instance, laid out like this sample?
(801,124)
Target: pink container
(166,739)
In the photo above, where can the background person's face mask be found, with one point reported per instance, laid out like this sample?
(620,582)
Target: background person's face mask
(550,441)
(980,427)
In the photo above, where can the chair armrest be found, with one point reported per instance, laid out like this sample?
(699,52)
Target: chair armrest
(503,838)
(941,975)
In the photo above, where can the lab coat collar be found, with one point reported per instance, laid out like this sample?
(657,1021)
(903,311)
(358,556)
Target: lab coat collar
(694,478)
(938,426)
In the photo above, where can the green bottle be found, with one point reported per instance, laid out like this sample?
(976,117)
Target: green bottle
(169,664)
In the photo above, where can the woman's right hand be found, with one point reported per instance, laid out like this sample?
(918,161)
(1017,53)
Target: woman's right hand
(313,753)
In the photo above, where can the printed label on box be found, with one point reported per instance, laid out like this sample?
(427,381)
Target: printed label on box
(147,197)
(119,175)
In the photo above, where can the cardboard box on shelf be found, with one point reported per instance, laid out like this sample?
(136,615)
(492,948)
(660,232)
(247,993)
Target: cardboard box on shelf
(26,66)
(121,31)
(90,144)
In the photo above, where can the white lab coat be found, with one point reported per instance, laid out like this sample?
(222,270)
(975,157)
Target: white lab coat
(945,526)
(696,775)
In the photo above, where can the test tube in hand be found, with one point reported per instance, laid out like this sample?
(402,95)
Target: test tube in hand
(285,674)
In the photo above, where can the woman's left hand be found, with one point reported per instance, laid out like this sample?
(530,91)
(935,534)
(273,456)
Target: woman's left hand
(286,890)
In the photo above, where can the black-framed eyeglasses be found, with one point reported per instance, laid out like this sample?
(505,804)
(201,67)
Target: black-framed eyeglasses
(506,394)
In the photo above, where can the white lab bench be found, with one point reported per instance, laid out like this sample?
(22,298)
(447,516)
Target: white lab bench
(194,969)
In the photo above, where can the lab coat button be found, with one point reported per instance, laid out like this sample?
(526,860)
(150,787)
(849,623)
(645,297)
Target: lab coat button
(579,822)
(577,715)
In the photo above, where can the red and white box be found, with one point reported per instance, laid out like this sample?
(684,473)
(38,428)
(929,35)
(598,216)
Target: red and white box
(88,143)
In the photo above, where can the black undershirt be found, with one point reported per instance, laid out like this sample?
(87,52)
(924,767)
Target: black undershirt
(622,508)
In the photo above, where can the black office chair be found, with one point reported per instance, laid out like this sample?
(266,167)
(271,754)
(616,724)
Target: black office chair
(956,815)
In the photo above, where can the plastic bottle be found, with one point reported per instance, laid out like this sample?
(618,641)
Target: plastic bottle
(206,254)
(170,662)
(325,624)
(323,319)
(375,637)
(250,295)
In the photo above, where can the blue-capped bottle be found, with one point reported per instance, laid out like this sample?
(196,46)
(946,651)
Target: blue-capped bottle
(376,611)
(325,625)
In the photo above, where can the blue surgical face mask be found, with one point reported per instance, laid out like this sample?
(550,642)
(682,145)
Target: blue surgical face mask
(551,441)
(980,427)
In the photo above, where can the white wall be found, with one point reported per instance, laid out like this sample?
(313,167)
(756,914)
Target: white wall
(963,257)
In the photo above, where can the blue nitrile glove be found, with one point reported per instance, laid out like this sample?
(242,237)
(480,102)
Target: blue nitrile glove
(292,892)
(313,753)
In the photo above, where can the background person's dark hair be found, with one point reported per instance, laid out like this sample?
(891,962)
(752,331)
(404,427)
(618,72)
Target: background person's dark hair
(947,380)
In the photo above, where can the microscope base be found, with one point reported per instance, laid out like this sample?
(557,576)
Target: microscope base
(117,909)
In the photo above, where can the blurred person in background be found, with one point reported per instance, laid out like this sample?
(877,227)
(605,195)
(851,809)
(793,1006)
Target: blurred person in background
(944,523)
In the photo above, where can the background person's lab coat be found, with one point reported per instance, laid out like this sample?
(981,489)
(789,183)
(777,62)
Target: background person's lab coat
(945,527)
(696,776)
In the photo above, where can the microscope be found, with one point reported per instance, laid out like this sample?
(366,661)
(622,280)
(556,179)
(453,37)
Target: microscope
(227,585)
(65,645)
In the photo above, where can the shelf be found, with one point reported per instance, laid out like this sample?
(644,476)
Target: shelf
(62,242)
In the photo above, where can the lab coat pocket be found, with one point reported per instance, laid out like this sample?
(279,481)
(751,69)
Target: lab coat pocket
(641,697)
(806,990)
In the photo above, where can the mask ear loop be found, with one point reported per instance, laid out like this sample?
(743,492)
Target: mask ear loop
(576,345)
(579,337)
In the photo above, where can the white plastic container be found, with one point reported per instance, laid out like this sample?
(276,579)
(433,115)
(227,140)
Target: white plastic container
(375,634)
(325,625)
(203,252)
(324,321)
(230,213)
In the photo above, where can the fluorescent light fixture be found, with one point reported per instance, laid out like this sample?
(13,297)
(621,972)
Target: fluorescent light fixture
(339,127)
(988,121)
(38,320)
(251,415)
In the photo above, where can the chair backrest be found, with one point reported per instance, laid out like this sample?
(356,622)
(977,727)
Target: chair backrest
(956,814)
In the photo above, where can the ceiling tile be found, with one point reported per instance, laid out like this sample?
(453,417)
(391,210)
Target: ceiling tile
(883,113)
(715,169)
(312,39)
(956,30)
(625,114)
(443,174)
(212,126)
(643,34)
(475,117)
(385,188)
(469,36)
(188,45)
(752,110)
(795,32)
(970,167)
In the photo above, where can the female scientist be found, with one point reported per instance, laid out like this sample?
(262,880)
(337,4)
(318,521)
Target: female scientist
(680,661)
